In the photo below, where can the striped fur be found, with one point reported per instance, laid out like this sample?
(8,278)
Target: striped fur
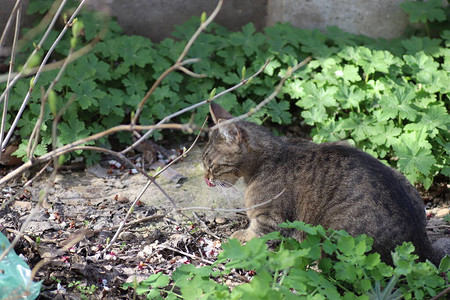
(331,184)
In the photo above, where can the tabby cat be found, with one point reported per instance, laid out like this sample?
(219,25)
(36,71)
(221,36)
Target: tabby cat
(331,184)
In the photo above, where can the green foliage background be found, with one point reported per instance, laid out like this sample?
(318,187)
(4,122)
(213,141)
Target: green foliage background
(389,98)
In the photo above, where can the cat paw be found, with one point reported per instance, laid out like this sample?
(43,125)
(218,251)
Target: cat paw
(243,235)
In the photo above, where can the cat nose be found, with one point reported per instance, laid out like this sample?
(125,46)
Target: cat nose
(209,182)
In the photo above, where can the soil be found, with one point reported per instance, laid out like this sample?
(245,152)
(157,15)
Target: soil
(87,206)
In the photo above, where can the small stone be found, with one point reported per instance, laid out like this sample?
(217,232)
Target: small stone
(442,212)
(123,199)
(126,236)
(220,220)
(25,205)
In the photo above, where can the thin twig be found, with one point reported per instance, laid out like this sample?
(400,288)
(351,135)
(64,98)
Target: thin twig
(194,106)
(67,148)
(36,78)
(231,209)
(207,229)
(38,174)
(162,247)
(179,62)
(11,68)
(152,180)
(36,49)
(444,292)
(288,74)
(8,23)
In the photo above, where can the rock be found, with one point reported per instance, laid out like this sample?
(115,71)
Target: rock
(442,212)
(98,171)
(126,236)
(220,220)
(25,205)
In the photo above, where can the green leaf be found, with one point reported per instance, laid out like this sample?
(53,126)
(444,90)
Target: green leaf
(351,73)
(279,112)
(425,44)
(383,133)
(424,11)
(434,117)
(317,97)
(314,43)
(135,84)
(22,150)
(399,104)
(414,155)
(135,50)
(434,82)
(444,265)
(247,39)
(314,115)
(87,94)
(421,62)
(349,96)
(72,130)
(272,66)
(346,244)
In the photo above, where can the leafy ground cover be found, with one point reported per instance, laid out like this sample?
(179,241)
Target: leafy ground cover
(389,98)
(159,243)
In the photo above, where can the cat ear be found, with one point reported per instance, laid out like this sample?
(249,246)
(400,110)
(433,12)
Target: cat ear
(218,113)
(231,132)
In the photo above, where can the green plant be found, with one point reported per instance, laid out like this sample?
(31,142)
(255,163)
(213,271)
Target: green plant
(299,271)
(84,289)
(424,11)
(389,98)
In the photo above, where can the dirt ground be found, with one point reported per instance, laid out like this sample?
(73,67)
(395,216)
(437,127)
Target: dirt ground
(87,207)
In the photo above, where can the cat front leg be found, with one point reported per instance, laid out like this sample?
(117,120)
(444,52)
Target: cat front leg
(244,235)
(258,227)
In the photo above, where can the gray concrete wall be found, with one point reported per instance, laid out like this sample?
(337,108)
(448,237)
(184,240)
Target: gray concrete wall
(374,18)
(156,18)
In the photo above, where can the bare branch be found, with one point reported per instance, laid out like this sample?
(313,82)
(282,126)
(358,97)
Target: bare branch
(179,63)
(36,78)
(162,247)
(11,68)
(152,180)
(56,65)
(288,74)
(44,37)
(233,209)
(190,73)
(67,148)
(8,23)
(194,106)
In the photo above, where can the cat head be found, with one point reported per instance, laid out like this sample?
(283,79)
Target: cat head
(224,151)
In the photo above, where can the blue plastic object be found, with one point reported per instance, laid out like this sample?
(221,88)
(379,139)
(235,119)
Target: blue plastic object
(15,276)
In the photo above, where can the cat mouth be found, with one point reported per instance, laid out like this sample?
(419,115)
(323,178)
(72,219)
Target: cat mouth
(209,182)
